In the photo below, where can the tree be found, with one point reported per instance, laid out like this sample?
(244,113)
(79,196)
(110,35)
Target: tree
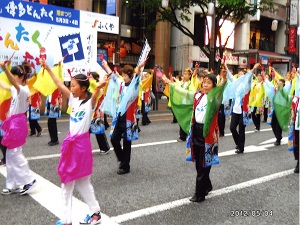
(179,11)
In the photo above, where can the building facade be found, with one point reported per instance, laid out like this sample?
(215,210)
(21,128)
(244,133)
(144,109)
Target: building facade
(253,40)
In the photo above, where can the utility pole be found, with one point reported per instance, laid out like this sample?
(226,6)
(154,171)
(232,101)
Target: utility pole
(117,48)
(212,37)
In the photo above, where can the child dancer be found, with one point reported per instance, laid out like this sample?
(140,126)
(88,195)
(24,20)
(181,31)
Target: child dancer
(18,171)
(76,162)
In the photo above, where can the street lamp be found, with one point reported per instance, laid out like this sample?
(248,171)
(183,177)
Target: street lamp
(116,57)
(211,12)
(164,3)
(210,9)
(274,25)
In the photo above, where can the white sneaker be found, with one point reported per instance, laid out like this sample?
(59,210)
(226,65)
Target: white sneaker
(28,187)
(7,191)
(102,152)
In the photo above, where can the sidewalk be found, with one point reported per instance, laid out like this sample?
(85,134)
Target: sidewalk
(162,107)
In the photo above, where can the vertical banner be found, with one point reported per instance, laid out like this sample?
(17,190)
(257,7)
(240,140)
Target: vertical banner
(37,1)
(110,7)
(255,4)
(264,60)
(294,8)
(292,40)
(144,54)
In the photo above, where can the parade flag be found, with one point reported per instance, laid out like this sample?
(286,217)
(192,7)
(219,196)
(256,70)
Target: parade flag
(93,85)
(238,88)
(4,94)
(147,82)
(144,54)
(166,91)
(30,83)
(214,101)
(282,105)
(44,83)
(4,107)
(278,76)
(182,105)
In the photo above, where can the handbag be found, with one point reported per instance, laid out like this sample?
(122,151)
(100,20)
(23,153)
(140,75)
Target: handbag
(97,126)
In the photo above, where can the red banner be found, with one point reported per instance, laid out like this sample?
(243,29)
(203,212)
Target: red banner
(39,1)
(292,40)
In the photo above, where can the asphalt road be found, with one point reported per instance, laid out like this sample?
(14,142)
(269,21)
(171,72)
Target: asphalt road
(257,187)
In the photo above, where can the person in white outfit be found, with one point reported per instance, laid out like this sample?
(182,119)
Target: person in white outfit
(19,176)
(76,161)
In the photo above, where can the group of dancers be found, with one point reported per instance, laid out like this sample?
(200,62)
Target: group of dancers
(197,103)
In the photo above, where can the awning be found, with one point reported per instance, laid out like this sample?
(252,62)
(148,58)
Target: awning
(257,53)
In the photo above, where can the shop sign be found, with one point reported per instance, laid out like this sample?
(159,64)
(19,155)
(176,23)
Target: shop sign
(40,13)
(292,40)
(264,60)
(230,59)
(101,22)
(255,4)
(30,26)
(278,12)
(111,7)
(243,62)
(294,8)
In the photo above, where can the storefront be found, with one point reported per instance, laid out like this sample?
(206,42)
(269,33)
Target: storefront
(282,63)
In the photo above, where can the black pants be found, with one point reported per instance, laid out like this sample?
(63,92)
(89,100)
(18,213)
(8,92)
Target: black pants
(266,112)
(221,119)
(238,137)
(106,124)
(256,118)
(174,118)
(203,182)
(34,127)
(52,128)
(296,145)
(102,142)
(145,118)
(3,150)
(182,134)
(276,128)
(33,124)
(123,154)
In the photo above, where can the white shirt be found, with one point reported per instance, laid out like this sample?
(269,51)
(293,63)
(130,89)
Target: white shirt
(20,101)
(185,84)
(200,110)
(237,107)
(81,115)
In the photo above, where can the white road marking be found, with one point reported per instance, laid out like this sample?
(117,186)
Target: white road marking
(251,131)
(185,201)
(49,195)
(248,149)
(254,148)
